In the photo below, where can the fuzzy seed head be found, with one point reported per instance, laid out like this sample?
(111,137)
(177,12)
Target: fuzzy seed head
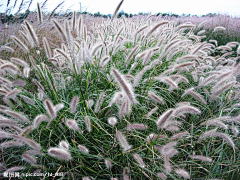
(90,103)
(155,97)
(64,145)
(185,109)
(164,117)
(162,176)
(126,87)
(126,173)
(88,123)
(108,163)
(29,158)
(112,121)
(50,109)
(17,116)
(99,102)
(31,143)
(13,169)
(139,159)
(27,99)
(201,158)
(38,119)
(59,153)
(72,124)
(83,148)
(123,141)
(183,173)
(58,107)
(12,143)
(136,126)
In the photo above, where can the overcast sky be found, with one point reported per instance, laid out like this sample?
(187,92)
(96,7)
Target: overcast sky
(193,7)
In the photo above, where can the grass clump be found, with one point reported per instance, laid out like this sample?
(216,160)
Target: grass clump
(108,102)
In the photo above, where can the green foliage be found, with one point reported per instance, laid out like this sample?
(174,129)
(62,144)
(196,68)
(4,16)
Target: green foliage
(91,64)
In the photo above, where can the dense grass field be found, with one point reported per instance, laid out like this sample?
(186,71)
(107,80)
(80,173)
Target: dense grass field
(146,97)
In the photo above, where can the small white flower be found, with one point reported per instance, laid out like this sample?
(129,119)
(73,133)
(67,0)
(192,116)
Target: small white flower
(112,121)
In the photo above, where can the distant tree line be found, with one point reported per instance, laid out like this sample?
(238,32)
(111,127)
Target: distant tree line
(12,18)
(5,18)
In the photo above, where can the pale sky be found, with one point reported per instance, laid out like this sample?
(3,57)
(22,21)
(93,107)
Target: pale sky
(193,7)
